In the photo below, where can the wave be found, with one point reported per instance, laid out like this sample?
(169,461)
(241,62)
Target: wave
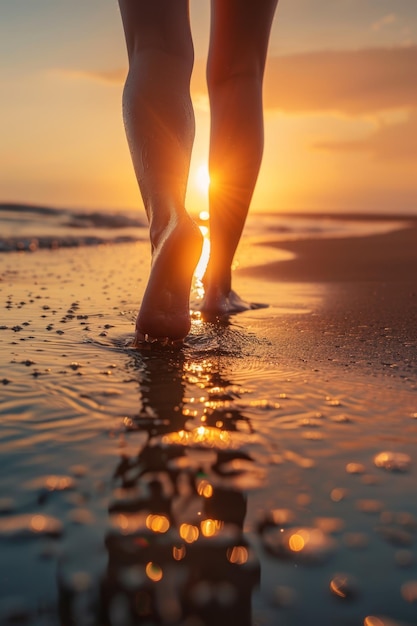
(30,227)
(33,227)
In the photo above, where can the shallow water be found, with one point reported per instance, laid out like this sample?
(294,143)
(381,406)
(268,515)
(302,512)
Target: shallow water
(225,482)
(31,227)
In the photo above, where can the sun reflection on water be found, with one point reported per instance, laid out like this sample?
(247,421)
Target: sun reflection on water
(204,258)
(206,436)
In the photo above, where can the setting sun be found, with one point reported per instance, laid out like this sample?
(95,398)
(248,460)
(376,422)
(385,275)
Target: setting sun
(203,178)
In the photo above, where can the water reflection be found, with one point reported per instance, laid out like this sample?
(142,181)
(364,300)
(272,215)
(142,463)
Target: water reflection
(177,552)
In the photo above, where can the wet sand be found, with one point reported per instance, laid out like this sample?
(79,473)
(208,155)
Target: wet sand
(367,312)
(262,474)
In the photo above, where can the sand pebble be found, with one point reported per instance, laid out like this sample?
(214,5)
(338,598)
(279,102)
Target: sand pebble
(333,401)
(393,461)
(75,366)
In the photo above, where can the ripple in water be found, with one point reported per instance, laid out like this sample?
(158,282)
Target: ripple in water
(393,461)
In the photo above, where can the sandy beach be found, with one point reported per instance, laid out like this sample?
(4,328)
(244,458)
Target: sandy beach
(264,473)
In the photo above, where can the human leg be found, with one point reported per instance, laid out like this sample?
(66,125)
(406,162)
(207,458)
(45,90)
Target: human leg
(238,47)
(159,122)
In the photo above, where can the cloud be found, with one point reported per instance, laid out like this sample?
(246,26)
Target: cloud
(388,142)
(350,82)
(114,77)
(384,21)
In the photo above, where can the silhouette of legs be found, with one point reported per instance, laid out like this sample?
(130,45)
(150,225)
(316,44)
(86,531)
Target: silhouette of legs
(159,122)
(238,46)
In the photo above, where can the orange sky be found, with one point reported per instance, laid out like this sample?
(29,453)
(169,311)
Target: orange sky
(340,107)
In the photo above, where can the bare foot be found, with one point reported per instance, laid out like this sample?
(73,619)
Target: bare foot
(215,302)
(164,314)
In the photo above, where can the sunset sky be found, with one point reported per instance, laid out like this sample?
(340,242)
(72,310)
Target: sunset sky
(340,106)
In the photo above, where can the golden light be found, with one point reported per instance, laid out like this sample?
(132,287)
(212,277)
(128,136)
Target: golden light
(296,542)
(211,527)
(238,555)
(207,436)
(154,572)
(205,253)
(189,533)
(211,437)
(205,489)
(203,178)
(157,523)
(204,216)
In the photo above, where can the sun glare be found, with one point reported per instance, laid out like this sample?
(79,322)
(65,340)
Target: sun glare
(203,178)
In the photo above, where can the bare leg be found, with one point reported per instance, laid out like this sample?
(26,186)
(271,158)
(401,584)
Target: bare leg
(159,121)
(238,46)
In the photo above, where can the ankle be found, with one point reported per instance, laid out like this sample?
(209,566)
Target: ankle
(161,223)
(218,281)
